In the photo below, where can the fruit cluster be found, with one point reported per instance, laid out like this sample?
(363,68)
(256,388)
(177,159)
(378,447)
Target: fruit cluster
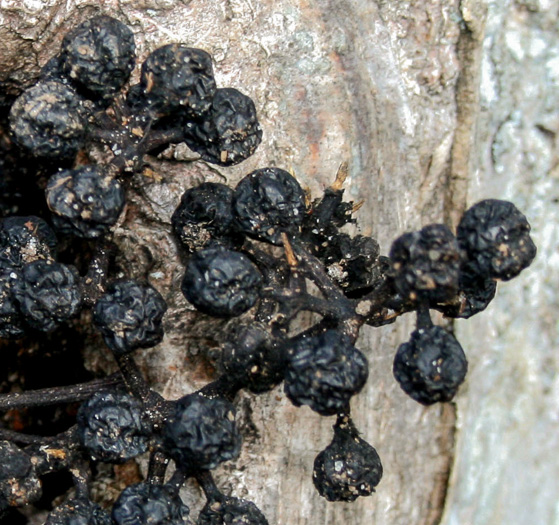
(256,256)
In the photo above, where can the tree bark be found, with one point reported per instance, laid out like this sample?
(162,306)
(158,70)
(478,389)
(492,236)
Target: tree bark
(434,105)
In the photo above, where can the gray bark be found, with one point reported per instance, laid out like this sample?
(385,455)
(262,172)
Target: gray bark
(434,104)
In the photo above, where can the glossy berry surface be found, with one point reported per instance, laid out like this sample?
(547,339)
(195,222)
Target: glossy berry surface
(129,315)
(98,56)
(48,120)
(177,78)
(78,512)
(47,294)
(12,324)
(147,504)
(205,214)
(324,372)
(430,366)
(348,468)
(201,432)
(85,202)
(426,263)
(110,427)
(496,237)
(230,133)
(221,282)
(267,202)
(231,511)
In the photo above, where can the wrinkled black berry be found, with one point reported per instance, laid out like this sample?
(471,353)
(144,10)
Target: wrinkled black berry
(230,133)
(48,120)
(201,432)
(426,263)
(496,237)
(129,315)
(177,78)
(12,324)
(85,202)
(19,484)
(231,511)
(204,214)
(430,366)
(98,56)
(347,468)
(149,504)
(110,427)
(267,202)
(47,294)
(251,357)
(24,239)
(221,282)
(476,292)
(78,512)
(324,372)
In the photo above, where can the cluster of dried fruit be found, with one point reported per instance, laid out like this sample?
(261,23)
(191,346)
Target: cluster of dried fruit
(250,255)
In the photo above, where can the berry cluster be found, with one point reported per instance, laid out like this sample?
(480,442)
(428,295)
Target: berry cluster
(256,256)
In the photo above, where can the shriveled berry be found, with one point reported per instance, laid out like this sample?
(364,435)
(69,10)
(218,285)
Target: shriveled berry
(98,56)
(496,237)
(324,372)
(149,504)
(129,315)
(430,366)
(12,325)
(475,294)
(48,120)
(230,133)
(201,432)
(85,202)
(204,214)
(47,294)
(251,356)
(231,511)
(348,467)
(78,511)
(267,202)
(221,282)
(426,263)
(19,484)
(24,239)
(176,77)
(110,427)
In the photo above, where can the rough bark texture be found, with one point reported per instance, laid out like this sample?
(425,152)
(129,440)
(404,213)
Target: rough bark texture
(393,88)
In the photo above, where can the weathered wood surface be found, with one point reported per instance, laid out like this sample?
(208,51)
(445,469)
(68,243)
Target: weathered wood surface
(393,87)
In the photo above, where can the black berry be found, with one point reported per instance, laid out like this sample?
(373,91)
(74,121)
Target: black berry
(85,202)
(231,511)
(201,432)
(430,366)
(98,56)
(426,264)
(47,294)
(348,468)
(48,120)
(110,427)
(177,78)
(78,511)
(230,133)
(12,324)
(129,315)
(149,504)
(221,282)
(496,237)
(204,214)
(324,372)
(267,202)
